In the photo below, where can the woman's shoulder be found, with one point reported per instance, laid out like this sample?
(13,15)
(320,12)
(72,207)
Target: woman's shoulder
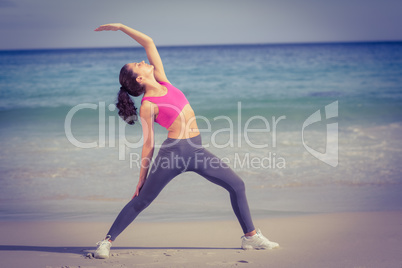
(169,86)
(165,83)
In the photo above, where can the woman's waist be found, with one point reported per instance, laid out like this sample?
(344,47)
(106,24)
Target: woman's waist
(183,133)
(183,129)
(194,140)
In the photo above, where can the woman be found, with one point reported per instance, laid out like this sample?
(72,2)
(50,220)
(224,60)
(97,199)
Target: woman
(167,105)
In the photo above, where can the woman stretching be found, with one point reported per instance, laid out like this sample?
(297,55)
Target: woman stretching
(167,106)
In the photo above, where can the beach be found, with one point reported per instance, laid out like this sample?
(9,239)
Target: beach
(361,239)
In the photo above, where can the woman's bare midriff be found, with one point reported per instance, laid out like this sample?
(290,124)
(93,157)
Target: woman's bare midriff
(185,125)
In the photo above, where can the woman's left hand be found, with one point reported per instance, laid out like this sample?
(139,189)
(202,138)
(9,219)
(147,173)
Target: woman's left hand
(109,27)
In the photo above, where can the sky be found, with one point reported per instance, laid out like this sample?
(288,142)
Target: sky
(42,24)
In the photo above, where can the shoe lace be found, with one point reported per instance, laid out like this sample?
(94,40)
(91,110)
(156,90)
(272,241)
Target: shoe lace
(104,241)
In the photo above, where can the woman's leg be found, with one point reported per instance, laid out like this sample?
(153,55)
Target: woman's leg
(213,169)
(159,176)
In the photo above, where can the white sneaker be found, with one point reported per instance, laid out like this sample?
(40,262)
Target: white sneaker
(103,249)
(257,241)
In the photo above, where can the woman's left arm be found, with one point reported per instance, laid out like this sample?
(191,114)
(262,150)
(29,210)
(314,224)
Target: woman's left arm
(145,41)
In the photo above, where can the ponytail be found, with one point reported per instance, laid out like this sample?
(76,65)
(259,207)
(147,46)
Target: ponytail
(127,109)
(129,86)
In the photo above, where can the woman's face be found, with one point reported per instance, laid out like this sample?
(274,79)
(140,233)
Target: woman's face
(142,68)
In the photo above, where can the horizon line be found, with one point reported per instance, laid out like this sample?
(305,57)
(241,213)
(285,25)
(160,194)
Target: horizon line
(207,45)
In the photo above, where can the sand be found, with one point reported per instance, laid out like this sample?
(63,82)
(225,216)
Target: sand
(369,239)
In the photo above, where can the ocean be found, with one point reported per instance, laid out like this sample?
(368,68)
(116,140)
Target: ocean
(311,128)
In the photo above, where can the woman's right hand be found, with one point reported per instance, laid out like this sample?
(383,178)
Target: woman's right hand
(109,27)
(139,186)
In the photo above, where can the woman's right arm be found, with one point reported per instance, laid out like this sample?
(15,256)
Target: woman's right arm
(147,121)
(145,41)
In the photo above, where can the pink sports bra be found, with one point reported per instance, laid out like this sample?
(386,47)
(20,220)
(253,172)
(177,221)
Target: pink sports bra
(170,105)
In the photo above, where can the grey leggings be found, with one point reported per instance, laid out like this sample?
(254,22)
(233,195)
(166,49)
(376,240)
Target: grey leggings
(175,157)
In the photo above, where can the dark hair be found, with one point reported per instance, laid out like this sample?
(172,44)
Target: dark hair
(129,86)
